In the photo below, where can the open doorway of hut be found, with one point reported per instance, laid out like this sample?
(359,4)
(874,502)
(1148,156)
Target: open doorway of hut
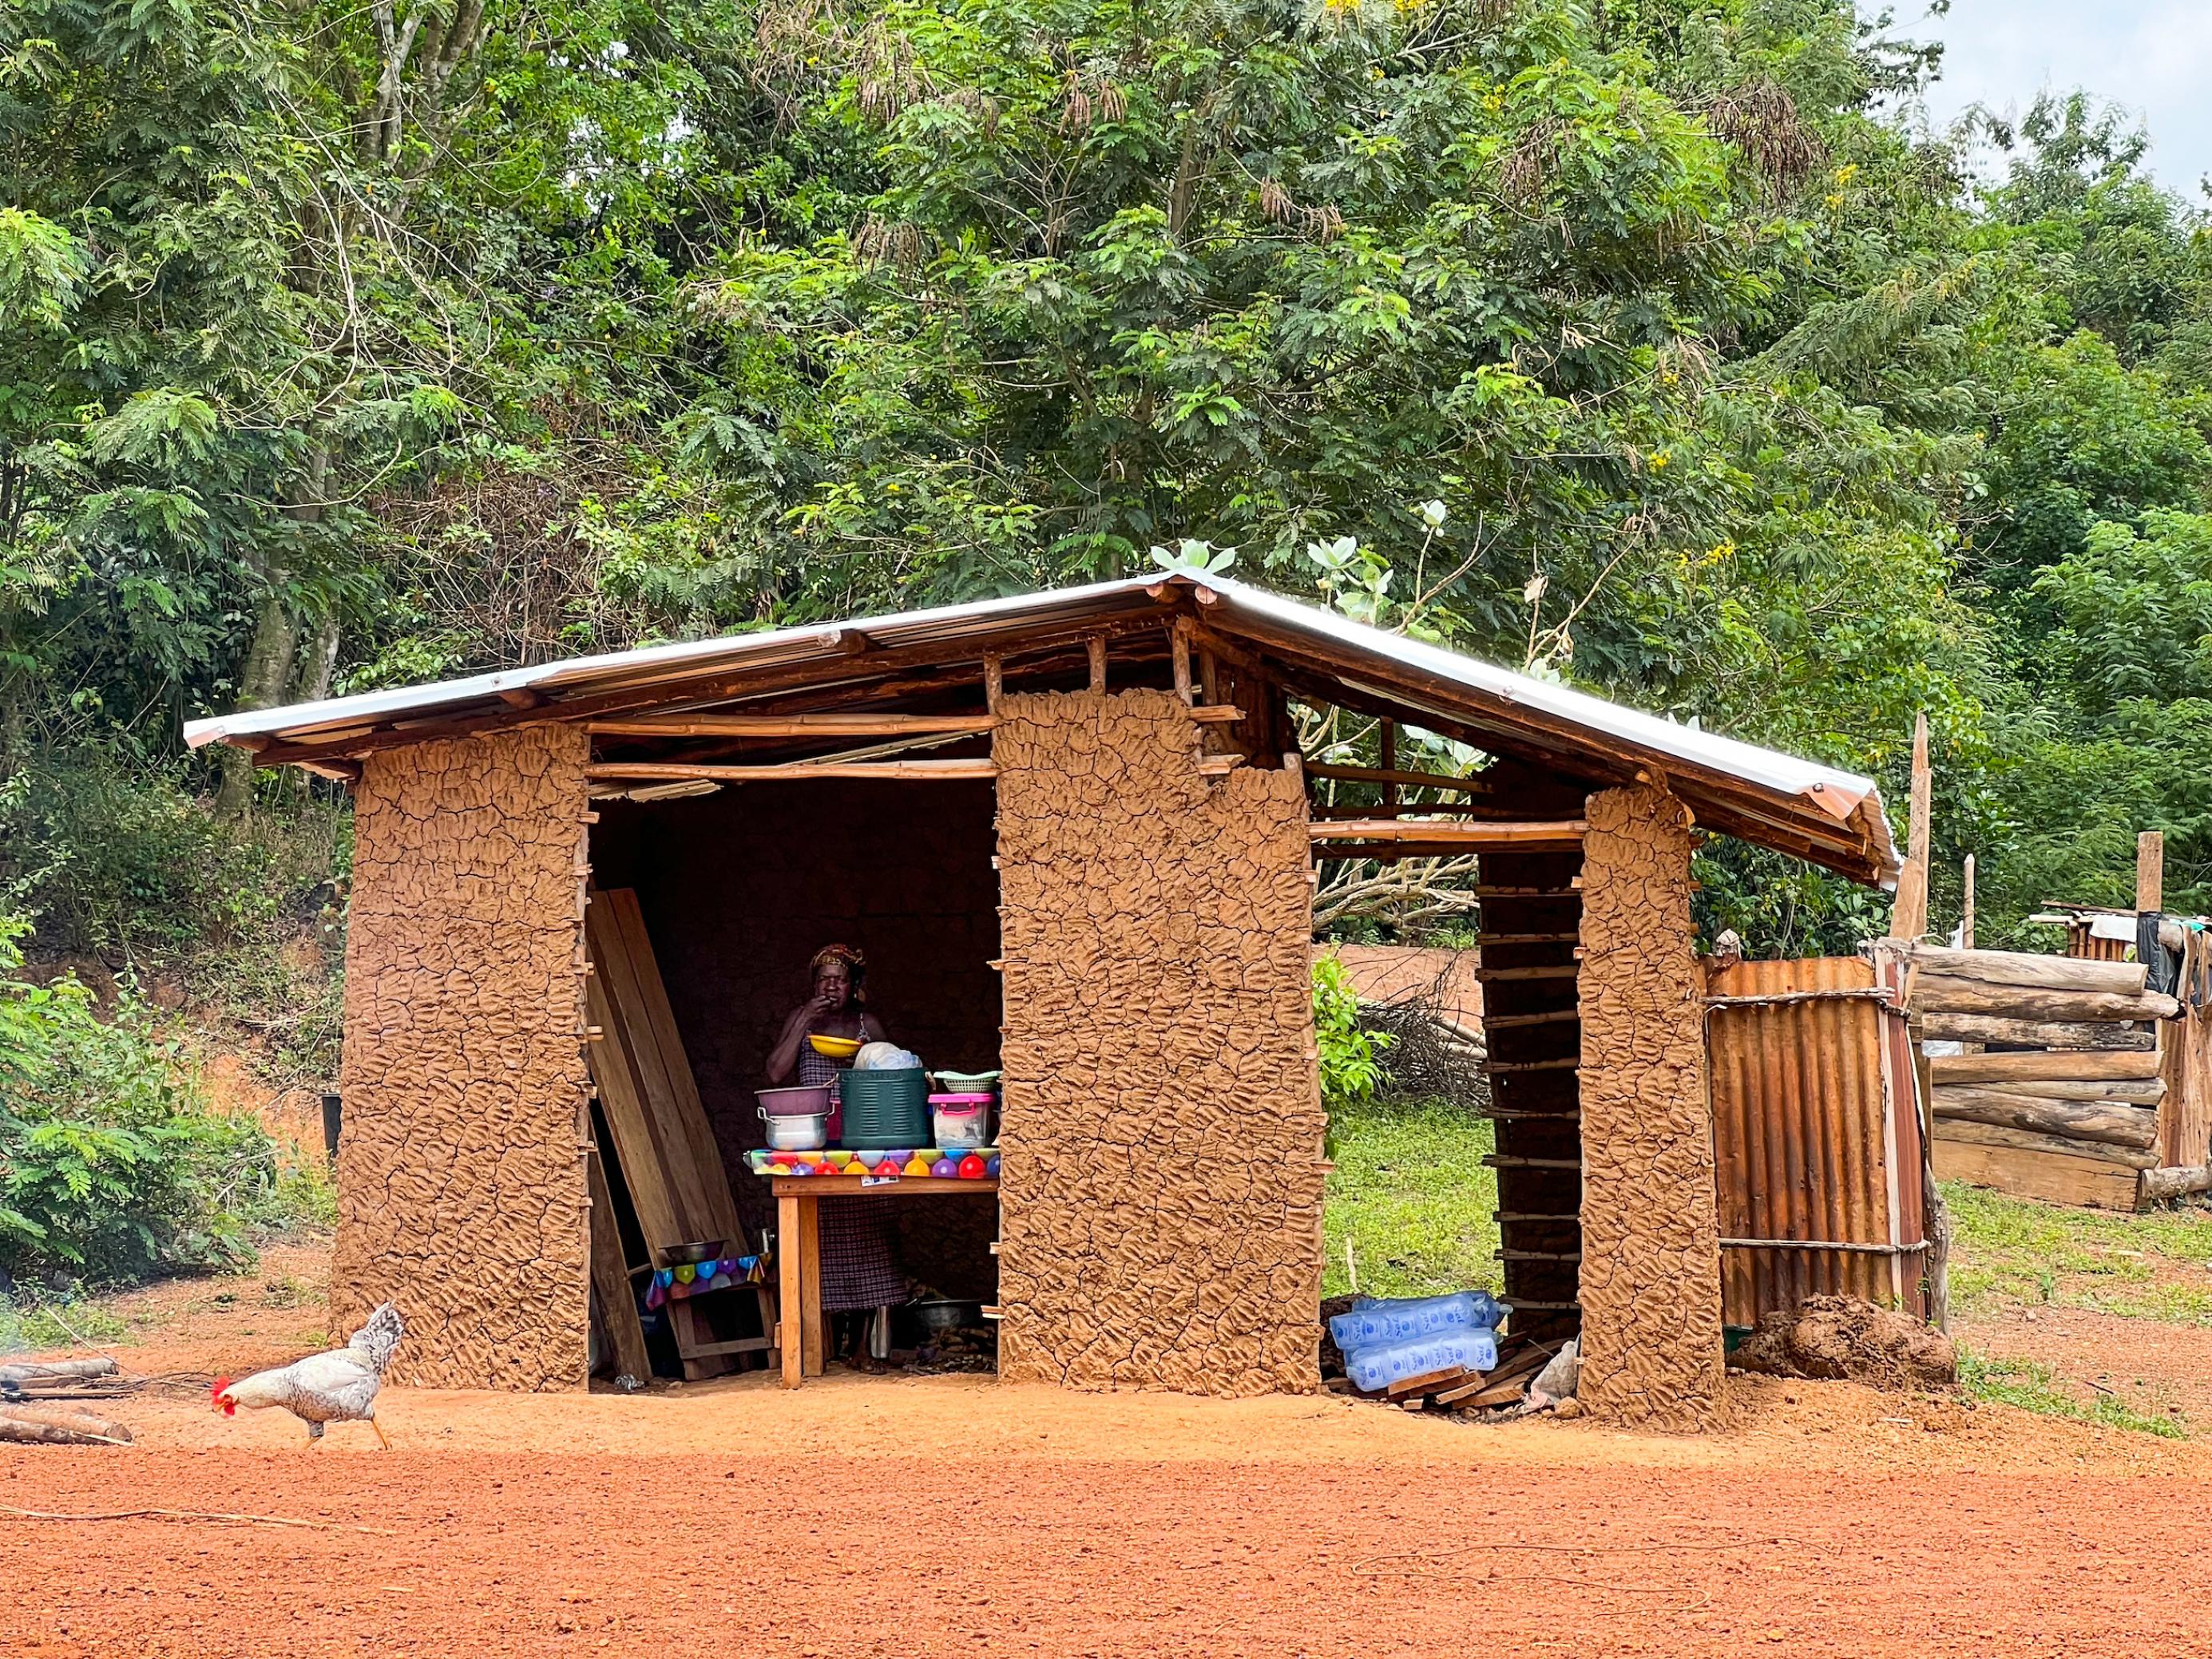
(731,896)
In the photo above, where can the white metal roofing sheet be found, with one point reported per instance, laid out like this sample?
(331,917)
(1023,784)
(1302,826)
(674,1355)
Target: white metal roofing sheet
(1818,795)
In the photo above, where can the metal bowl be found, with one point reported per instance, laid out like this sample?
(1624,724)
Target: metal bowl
(677,1256)
(936,1317)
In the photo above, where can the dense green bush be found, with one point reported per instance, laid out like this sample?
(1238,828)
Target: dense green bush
(1351,1058)
(113,1166)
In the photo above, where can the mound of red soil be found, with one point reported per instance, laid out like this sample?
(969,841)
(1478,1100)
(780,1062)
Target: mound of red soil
(1839,1337)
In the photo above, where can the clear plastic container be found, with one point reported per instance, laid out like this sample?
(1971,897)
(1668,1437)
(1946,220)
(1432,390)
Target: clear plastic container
(961,1122)
(1399,1319)
(1376,1368)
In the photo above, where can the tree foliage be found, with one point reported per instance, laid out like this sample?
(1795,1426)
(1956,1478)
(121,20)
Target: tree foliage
(1637,345)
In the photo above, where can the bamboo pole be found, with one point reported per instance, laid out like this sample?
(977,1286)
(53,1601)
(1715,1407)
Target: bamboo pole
(1966,905)
(1540,831)
(908,771)
(1394,774)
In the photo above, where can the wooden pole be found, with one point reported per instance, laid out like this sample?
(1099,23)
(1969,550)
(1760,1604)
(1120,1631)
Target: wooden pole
(611,1277)
(1909,916)
(1966,905)
(1097,644)
(795,725)
(1389,754)
(1563,830)
(994,681)
(2151,871)
(1412,780)
(1179,658)
(904,771)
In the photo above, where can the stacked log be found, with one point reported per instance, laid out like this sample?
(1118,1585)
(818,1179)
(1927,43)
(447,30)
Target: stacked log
(2069,1067)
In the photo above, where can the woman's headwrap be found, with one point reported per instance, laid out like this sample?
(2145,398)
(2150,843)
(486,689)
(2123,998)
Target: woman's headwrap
(856,965)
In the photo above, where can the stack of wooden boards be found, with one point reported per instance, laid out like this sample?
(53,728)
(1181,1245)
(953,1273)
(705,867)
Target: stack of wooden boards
(1461,1390)
(2058,1095)
(663,1146)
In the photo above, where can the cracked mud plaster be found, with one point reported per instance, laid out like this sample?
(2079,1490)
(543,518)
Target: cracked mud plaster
(1161,1188)
(1651,1268)
(460,1189)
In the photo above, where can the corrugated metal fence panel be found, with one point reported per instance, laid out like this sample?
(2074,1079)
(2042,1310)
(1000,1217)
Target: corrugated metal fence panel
(1807,1144)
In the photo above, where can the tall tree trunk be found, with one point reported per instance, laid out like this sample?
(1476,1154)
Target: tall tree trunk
(269,662)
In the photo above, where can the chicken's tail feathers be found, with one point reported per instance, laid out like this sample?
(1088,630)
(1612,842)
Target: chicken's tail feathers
(380,1338)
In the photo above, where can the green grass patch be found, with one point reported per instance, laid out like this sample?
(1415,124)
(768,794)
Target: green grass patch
(2011,1251)
(31,1323)
(2027,1384)
(1411,1192)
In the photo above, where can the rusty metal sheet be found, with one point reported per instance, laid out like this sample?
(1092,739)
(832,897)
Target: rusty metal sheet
(1816,1136)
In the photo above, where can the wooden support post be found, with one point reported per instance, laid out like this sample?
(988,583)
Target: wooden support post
(1966,905)
(1909,916)
(1096,645)
(2151,871)
(791,1294)
(1389,755)
(994,681)
(1179,658)
(810,1280)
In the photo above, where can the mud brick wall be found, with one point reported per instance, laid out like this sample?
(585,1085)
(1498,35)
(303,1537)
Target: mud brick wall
(1160,1191)
(460,1187)
(1650,1268)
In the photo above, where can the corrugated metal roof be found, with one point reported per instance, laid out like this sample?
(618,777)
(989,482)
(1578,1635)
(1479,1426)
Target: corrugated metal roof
(1838,813)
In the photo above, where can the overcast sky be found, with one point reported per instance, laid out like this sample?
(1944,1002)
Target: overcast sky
(2152,57)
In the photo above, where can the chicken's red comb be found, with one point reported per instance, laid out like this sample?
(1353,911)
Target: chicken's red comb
(215,1393)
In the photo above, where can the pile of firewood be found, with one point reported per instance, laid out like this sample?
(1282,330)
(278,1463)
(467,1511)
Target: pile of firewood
(30,1409)
(1460,1389)
(2069,1060)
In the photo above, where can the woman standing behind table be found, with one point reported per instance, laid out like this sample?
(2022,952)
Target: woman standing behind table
(859,1269)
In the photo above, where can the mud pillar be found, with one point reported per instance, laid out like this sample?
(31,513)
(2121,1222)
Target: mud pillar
(461,1183)
(1650,1280)
(1161,1168)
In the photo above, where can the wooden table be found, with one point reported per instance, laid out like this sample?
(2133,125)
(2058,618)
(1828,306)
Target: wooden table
(799,1253)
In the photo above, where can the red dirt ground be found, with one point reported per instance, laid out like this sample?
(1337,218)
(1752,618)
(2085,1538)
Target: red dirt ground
(953,1553)
(954,1514)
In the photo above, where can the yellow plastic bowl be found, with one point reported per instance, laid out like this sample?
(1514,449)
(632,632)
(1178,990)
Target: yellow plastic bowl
(835,1048)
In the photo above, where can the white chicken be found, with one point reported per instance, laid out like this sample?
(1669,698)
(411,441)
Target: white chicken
(340,1386)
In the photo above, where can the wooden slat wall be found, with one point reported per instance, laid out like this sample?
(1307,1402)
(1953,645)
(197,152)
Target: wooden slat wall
(1540,1224)
(1806,1144)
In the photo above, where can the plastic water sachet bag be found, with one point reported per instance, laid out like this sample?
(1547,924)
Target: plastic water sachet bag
(1376,1369)
(1404,1317)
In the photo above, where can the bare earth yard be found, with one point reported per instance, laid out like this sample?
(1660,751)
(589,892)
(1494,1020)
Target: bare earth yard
(955,1516)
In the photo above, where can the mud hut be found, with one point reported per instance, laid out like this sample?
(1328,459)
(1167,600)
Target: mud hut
(1076,834)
